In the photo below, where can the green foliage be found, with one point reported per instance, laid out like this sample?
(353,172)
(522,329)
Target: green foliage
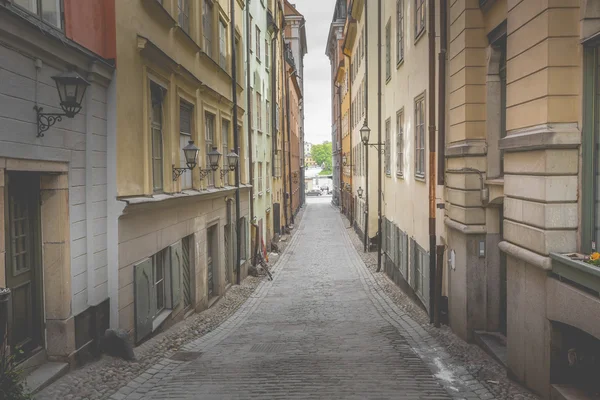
(322,154)
(326,172)
(12,383)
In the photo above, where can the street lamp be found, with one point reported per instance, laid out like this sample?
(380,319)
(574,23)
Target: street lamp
(365,132)
(344,160)
(71,88)
(232,162)
(190,153)
(359,191)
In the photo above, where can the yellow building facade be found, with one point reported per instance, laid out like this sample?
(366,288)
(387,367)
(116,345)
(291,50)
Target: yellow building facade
(176,233)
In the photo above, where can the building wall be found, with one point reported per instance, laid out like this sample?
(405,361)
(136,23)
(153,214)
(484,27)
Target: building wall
(295,145)
(71,159)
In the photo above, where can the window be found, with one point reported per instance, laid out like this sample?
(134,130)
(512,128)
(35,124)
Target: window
(156,121)
(185,135)
(49,11)
(207,18)
(388,51)
(260,178)
(268,179)
(399,31)
(502,73)
(266,54)
(258,112)
(388,147)
(225,151)
(257,43)
(160,262)
(420,137)
(400,143)
(183,8)
(419,17)
(243,241)
(209,130)
(268,119)
(222,45)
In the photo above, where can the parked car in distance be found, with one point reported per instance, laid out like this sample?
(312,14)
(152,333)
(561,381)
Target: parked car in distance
(314,192)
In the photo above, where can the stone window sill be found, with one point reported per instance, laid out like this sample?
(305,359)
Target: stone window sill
(571,267)
(160,318)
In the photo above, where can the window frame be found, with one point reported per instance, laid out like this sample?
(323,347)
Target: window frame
(187,107)
(400,143)
(258,36)
(157,187)
(208,144)
(38,13)
(208,12)
(388,147)
(420,137)
(184,12)
(399,32)
(223,42)
(225,142)
(420,18)
(258,112)
(388,50)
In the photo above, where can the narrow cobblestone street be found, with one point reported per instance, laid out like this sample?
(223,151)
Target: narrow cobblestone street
(319,330)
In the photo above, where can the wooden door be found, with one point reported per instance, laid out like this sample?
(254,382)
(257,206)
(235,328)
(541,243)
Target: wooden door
(23,262)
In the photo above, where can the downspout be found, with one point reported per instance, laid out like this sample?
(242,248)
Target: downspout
(350,133)
(236,141)
(432,180)
(249,110)
(379,175)
(289,135)
(442,149)
(284,94)
(274,129)
(340,154)
(366,148)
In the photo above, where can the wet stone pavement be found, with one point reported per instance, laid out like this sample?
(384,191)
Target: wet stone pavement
(321,329)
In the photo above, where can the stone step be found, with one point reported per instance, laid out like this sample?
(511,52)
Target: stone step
(493,343)
(44,375)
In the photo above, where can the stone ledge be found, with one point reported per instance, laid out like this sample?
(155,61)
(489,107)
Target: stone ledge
(467,148)
(465,229)
(544,263)
(544,136)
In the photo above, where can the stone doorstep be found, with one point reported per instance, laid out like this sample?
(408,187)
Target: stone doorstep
(568,392)
(494,344)
(44,375)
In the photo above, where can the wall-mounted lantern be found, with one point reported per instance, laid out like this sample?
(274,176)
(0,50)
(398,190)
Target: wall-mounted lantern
(365,132)
(232,162)
(344,160)
(213,162)
(359,191)
(190,153)
(71,88)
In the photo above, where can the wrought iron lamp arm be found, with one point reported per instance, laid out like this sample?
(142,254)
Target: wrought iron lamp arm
(380,147)
(46,120)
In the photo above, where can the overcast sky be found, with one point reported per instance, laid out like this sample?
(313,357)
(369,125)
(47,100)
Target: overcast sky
(317,75)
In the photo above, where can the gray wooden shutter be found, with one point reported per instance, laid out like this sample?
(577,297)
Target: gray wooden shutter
(176,261)
(425,280)
(405,255)
(412,257)
(144,304)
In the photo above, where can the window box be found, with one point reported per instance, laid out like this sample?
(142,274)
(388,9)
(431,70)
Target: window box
(572,267)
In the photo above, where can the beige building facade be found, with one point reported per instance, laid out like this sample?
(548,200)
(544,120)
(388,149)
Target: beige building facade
(520,185)
(176,234)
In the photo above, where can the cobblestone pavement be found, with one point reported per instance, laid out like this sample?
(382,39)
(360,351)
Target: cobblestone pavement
(322,329)
(487,371)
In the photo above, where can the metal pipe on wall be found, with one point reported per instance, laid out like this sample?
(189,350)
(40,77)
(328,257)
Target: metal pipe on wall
(236,142)
(366,148)
(379,172)
(432,181)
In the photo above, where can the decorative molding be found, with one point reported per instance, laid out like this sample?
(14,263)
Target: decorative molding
(544,136)
(544,263)
(467,148)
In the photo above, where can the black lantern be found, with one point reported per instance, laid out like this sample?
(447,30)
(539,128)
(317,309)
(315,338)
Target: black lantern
(344,160)
(190,153)
(365,132)
(71,88)
(359,191)
(232,160)
(213,158)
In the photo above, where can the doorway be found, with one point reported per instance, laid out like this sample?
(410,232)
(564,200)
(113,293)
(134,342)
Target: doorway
(211,258)
(503,279)
(23,262)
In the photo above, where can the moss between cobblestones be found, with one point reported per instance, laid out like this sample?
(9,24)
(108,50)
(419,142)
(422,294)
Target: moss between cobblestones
(477,362)
(100,379)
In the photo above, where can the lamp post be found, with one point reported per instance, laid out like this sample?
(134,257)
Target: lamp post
(71,88)
(190,153)
(365,133)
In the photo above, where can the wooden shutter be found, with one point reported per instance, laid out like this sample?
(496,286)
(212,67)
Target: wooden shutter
(176,261)
(144,303)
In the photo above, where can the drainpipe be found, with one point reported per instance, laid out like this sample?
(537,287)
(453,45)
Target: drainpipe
(442,149)
(341,153)
(379,175)
(284,94)
(366,148)
(289,135)
(432,180)
(249,109)
(351,158)
(236,141)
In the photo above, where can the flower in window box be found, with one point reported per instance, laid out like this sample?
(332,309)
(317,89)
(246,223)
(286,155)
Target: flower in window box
(594,259)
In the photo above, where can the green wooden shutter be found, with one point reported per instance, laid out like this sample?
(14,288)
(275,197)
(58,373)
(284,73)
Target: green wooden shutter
(143,297)
(425,280)
(176,261)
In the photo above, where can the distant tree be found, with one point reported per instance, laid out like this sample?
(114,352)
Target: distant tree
(322,154)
